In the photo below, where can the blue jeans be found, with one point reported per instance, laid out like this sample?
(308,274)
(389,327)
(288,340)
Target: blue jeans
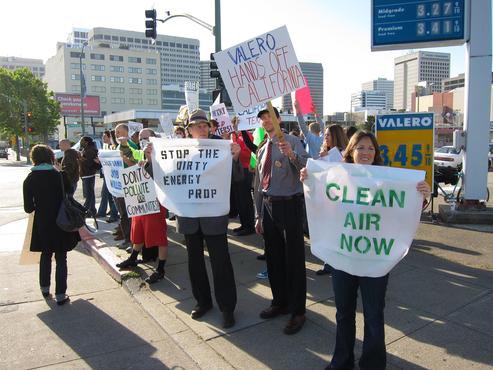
(106,198)
(373,296)
(88,192)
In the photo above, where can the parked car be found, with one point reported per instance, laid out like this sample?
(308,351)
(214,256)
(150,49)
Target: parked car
(4,152)
(76,146)
(448,156)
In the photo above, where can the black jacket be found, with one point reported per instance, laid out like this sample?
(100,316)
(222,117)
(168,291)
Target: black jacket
(43,194)
(88,166)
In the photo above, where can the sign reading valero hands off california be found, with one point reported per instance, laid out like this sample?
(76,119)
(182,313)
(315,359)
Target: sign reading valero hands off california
(192,177)
(406,141)
(260,69)
(112,165)
(139,193)
(362,219)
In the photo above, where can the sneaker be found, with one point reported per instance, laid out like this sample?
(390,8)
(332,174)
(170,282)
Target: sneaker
(155,277)
(263,275)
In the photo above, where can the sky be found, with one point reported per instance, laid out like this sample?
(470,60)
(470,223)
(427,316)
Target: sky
(335,33)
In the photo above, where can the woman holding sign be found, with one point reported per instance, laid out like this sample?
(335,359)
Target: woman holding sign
(362,149)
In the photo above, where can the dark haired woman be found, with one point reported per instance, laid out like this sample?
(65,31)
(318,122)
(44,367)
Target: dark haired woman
(43,194)
(362,149)
(70,169)
(89,165)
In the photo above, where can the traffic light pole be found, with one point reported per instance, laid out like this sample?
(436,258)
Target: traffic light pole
(217,28)
(82,83)
(27,143)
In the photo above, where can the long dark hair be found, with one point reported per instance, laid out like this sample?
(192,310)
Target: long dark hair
(70,165)
(337,137)
(355,139)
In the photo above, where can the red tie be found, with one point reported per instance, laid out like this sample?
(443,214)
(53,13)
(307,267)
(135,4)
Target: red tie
(266,169)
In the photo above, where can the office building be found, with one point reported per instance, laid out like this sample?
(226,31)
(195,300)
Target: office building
(122,78)
(206,82)
(381,84)
(78,37)
(36,66)
(367,99)
(452,83)
(314,73)
(174,98)
(413,68)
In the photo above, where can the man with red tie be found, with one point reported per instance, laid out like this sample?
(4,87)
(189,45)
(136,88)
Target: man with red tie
(279,218)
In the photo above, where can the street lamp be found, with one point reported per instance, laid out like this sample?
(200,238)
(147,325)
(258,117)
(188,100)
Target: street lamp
(82,89)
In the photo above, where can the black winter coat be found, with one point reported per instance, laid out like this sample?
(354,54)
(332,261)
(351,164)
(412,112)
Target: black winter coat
(43,194)
(88,166)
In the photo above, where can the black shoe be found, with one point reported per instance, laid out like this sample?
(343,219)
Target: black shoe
(199,311)
(294,324)
(244,232)
(128,263)
(273,311)
(155,277)
(63,301)
(228,319)
(261,257)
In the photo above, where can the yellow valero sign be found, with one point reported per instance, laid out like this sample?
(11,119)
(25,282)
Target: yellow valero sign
(406,141)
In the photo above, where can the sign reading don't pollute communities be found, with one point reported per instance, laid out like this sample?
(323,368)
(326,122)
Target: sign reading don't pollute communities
(139,192)
(260,69)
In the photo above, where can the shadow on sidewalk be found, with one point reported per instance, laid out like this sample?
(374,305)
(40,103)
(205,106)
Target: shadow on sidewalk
(100,341)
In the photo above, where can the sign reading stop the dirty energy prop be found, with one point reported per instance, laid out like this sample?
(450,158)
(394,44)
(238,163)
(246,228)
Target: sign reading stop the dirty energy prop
(362,219)
(260,69)
(138,191)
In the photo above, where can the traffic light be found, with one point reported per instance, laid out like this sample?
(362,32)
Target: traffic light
(29,117)
(151,23)
(220,87)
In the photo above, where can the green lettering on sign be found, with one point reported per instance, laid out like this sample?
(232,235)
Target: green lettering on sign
(383,245)
(344,196)
(350,221)
(393,196)
(379,198)
(361,195)
(357,244)
(346,241)
(327,191)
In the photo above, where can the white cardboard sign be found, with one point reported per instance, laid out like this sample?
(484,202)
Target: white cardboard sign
(139,192)
(112,165)
(221,115)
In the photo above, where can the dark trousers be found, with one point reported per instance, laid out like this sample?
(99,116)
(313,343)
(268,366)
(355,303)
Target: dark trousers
(222,270)
(107,198)
(373,296)
(285,253)
(242,190)
(124,220)
(60,273)
(88,192)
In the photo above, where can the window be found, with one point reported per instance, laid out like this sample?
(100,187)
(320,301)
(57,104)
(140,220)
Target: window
(134,60)
(98,78)
(75,88)
(151,91)
(172,44)
(151,71)
(102,99)
(118,80)
(98,37)
(75,77)
(152,101)
(124,39)
(133,80)
(114,38)
(130,39)
(134,101)
(159,43)
(77,66)
(165,43)
(152,82)
(118,100)
(178,45)
(134,70)
(145,42)
(135,90)
(107,37)
(76,54)
(137,41)
(116,58)
(97,67)
(97,56)
(150,61)
(118,90)
(99,89)
(117,69)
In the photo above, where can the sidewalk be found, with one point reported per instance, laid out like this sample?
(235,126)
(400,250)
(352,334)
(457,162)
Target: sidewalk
(438,312)
(101,328)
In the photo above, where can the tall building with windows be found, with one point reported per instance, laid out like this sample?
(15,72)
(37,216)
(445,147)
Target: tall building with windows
(416,67)
(367,99)
(381,84)
(78,36)
(206,81)
(122,78)
(36,66)
(314,73)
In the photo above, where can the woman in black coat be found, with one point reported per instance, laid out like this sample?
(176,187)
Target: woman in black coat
(43,195)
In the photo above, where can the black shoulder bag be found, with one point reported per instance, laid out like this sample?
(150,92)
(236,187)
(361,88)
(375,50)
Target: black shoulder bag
(71,214)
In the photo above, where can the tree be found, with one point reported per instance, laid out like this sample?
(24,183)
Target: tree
(19,88)
(368,125)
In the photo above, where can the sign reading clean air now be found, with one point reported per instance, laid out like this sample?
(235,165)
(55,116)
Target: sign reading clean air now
(362,219)
(260,69)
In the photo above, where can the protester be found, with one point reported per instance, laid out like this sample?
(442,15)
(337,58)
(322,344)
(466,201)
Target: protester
(362,149)
(64,144)
(350,131)
(43,193)
(334,138)
(148,230)
(212,230)
(89,165)
(313,139)
(70,169)
(278,201)
(213,127)
(106,197)
(125,146)
(179,132)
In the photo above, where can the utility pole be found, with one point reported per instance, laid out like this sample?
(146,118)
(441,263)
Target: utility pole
(217,28)
(27,143)
(82,88)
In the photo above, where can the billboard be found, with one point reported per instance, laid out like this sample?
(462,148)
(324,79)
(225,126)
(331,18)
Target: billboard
(70,105)
(407,24)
